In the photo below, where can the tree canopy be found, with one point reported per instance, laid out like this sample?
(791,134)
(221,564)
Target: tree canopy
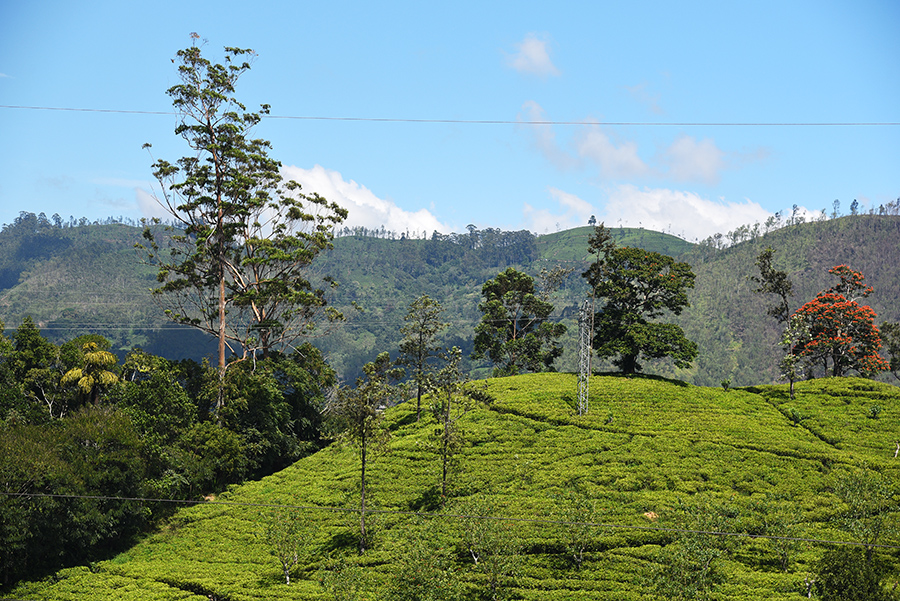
(358,412)
(418,348)
(514,332)
(773,281)
(637,286)
(841,332)
(236,267)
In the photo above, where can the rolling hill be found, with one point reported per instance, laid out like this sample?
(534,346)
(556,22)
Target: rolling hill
(89,278)
(630,483)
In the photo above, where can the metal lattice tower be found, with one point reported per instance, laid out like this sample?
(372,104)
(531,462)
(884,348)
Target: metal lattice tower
(584,363)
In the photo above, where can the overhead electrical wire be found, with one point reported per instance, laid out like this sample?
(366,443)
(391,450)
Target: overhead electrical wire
(493,121)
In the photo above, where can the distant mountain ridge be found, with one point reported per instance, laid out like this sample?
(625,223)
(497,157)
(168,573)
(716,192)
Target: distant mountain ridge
(89,278)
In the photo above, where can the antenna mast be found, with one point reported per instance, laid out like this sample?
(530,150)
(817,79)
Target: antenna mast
(585,320)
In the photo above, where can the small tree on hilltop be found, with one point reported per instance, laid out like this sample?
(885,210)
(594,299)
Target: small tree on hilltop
(773,281)
(450,402)
(841,332)
(792,364)
(492,543)
(638,286)
(423,322)
(514,332)
(287,535)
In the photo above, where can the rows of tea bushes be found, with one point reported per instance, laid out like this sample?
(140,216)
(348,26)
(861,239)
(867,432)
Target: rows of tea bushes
(615,504)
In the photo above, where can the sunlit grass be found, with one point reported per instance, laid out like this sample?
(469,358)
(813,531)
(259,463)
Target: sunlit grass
(645,444)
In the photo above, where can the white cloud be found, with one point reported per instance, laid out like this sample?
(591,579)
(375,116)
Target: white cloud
(365,209)
(684,214)
(572,212)
(614,161)
(573,204)
(531,56)
(641,94)
(543,136)
(691,160)
(148,206)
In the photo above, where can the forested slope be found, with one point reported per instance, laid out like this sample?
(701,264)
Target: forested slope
(737,340)
(82,279)
(89,278)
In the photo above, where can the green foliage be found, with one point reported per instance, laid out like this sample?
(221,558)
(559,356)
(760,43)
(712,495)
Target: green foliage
(423,322)
(522,454)
(691,563)
(81,279)
(846,575)
(384,275)
(491,543)
(424,568)
(148,436)
(358,413)
(890,333)
(638,286)
(781,519)
(450,400)
(94,452)
(343,582)
(792,364)
(93,376)
(870,499)
(724,317)
(38,366)
(578,517)
(514,332)
(238,267)
(287,535)
(773,281)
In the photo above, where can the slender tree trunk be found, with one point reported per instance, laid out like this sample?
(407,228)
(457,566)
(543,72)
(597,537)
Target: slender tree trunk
(264,343)
(418,400)
(220,400)
(445,458)
(362,499)
(220,268)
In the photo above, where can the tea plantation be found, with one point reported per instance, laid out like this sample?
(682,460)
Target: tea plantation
(616,504)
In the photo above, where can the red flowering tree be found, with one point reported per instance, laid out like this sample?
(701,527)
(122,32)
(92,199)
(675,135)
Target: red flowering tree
(841,332)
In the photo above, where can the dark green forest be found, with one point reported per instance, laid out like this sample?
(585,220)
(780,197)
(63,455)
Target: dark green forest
(147,432)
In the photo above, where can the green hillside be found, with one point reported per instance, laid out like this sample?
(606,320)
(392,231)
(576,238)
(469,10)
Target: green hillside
(737,340)
(88,278)
(571,245)
(651,455)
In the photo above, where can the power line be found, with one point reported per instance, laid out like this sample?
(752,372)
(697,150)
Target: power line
(495,121)
(431,514)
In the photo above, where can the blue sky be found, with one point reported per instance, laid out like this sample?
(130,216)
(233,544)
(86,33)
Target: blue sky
(663,68)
